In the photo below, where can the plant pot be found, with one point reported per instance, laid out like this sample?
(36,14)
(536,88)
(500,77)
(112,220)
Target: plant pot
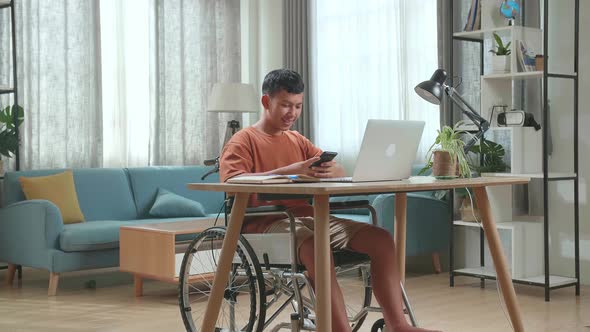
(442,165)
(500,64)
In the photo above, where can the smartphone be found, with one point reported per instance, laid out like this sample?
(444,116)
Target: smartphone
(325,157)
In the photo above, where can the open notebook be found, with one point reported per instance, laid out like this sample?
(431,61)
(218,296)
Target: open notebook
(270,179)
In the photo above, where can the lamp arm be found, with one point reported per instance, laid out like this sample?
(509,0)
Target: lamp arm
(467,109)
(482,124)
(473,140)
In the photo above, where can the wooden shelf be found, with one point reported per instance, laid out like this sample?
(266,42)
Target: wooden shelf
(500,224)
(6,89)
(551,175)
(514,76)
(487,33)
(554,280)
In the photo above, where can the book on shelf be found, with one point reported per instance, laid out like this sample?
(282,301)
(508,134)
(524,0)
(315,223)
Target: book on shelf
(525,57)
(474,17)
(272,179)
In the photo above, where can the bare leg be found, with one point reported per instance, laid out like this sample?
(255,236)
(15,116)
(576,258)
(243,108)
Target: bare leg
(385,278)
(339,317)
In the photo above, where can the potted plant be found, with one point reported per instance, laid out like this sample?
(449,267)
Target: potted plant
(486,157)
(501,58)
(446,157)
(9,142)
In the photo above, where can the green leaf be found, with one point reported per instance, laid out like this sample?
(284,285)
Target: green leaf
(498,40)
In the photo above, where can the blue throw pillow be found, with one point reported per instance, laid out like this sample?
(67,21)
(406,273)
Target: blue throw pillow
(171,205)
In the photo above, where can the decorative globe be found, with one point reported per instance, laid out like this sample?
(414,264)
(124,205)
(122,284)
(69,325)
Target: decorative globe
(509,9)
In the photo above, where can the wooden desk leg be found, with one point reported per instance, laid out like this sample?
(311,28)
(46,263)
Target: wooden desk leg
(321,207)
(138,281)
(10,274)
(230,243)
(503,276)
(401,202)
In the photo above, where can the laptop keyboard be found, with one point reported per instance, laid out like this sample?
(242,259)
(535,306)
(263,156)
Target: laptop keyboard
(342,179)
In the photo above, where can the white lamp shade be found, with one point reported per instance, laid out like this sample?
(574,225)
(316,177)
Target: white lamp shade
(233,97)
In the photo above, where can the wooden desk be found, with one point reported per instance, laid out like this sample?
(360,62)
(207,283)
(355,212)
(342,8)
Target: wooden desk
(321,193)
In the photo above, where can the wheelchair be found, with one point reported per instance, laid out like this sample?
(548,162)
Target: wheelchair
(265,280)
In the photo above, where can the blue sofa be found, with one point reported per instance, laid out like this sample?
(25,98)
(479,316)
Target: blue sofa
(32,233)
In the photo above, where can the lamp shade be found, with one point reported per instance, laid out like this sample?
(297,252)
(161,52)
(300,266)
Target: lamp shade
(233,97)
(432,90)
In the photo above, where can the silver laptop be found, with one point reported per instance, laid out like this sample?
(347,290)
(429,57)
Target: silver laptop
(387,152)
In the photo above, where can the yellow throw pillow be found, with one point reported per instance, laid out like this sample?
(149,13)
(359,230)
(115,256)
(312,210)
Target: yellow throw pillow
(58,189)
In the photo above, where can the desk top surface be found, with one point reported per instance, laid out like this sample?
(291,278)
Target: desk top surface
(418,183)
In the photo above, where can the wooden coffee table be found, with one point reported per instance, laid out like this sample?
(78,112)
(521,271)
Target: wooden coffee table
(152,252)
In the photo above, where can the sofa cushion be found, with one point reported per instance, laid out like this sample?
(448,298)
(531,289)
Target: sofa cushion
(145,182)
(170,205)
(58,189)
(103,193)
(104,234)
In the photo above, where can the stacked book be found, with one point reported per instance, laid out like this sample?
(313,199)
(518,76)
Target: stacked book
(474,18)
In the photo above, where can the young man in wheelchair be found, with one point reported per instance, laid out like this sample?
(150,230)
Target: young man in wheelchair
(270,147)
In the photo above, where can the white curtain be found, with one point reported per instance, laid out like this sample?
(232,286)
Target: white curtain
(125,47)
(58,82)
(367,56)
(160,60)
(195,44)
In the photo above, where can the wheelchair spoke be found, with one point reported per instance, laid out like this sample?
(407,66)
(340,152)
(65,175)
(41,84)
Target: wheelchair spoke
(241,307)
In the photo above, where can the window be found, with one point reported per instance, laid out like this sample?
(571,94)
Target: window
(367,58)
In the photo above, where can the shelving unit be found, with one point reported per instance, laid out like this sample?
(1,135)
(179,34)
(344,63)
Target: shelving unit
(497,89)
(12,89)
(514,76)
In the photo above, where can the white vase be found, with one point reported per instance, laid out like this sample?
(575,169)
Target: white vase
(500,64)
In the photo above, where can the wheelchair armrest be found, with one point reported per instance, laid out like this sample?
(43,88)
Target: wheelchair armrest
(266,209)
(349,205)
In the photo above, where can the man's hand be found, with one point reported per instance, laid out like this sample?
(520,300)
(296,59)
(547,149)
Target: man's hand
(302,167)
(328,169)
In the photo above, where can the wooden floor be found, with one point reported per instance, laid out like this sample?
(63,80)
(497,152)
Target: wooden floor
(112,306)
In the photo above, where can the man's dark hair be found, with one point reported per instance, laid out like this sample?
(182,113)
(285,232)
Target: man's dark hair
(282,79)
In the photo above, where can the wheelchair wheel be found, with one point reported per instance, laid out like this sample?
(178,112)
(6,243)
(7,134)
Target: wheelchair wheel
(355,283)
(378,326)
(244,303)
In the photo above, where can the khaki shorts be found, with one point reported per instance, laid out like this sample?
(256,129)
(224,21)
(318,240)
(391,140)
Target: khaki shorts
(341,230)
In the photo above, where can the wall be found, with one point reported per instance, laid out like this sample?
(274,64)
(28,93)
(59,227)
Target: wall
(584,141)
(561,110)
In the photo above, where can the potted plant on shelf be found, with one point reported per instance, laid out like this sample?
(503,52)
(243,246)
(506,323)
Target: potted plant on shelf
(486,157)
(9,142)
(446,157)
(501,58)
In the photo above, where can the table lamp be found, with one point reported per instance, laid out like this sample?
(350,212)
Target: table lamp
(231,98)
(433,91)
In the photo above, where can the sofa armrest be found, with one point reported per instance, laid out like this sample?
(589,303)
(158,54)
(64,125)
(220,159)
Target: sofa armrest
(28,228)
(427,222)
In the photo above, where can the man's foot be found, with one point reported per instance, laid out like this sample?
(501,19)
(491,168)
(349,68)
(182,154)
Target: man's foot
(407,328)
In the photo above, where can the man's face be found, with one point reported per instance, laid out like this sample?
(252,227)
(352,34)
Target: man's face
(282,109)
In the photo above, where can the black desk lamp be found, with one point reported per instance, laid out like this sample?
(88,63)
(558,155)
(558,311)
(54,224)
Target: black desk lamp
(433,90)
